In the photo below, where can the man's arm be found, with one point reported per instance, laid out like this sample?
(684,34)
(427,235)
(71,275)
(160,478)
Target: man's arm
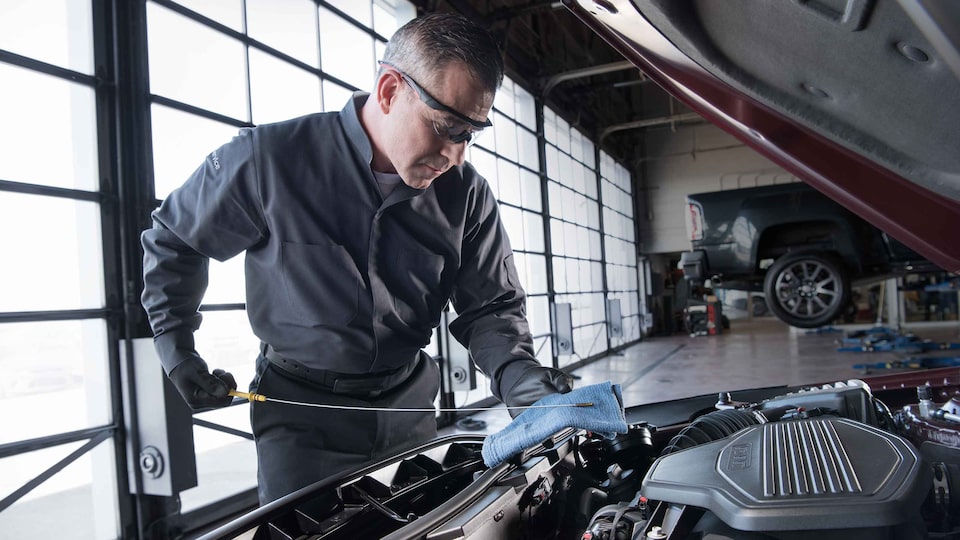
(491,307)
(216,213)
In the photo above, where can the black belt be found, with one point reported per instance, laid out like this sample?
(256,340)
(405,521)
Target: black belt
(369,385)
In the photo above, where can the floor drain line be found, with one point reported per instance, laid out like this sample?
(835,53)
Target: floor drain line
(643,373)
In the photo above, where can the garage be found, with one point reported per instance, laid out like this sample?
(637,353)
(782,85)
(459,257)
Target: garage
(248,240)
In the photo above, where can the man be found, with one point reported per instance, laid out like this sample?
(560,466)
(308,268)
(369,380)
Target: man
(358,227)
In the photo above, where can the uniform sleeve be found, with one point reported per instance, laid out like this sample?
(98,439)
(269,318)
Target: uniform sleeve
(488,296)
(217,213)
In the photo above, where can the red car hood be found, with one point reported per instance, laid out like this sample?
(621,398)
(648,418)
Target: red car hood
(860,98)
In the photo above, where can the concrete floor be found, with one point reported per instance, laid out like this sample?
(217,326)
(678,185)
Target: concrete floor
(751,354)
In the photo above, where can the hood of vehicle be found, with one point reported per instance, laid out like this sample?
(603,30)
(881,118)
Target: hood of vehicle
(860,98)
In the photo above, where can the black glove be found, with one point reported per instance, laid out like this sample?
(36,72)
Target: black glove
(199,388)
(525,382)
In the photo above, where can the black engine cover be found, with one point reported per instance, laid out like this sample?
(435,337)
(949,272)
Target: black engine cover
(816,474)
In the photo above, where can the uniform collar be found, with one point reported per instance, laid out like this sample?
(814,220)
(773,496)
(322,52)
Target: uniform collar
(350,118)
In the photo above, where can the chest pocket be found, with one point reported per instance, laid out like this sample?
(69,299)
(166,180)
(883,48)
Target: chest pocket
(417,288)
(321,282)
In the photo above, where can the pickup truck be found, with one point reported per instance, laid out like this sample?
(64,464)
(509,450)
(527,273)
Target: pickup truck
(800,248)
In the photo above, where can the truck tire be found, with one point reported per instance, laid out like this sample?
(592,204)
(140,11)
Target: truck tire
(807,289)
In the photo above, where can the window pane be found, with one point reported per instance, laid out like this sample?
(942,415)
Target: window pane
(573,275)
(485,164)
(536,274)
(181,55)
(63,382)
(563,135)
(583,242)
(506,134)
(335,97)
(508,175)
(526,109)
(588,157)
(555,196)
(569,205)
(383,22)
(595,252)
(527,151)
(357,9)
(596,274)
(62,261)
(354,64)
(79,501)
(58,32)
(553,163)
(550,126)
(388,15)
(586,283)
(566,169)
(226,12)
(533,232)
(577,180)
(180,143)
(530,187)
(582,209)
(280,90)
(560,276)
(226,464)
(538,315)
(504,100)
(226,282)
(571,247)
(289,26)
(513,223)
(589,182)
(49,133)
(556,237)
(576,144)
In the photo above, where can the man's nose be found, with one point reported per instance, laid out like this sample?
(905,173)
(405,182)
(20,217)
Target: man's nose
(454,152)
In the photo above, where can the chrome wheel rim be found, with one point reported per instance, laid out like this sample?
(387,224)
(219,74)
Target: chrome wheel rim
(807,289)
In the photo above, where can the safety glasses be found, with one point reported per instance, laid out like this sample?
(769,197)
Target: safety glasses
(454,134)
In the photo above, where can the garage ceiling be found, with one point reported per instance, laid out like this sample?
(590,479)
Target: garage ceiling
(553,53)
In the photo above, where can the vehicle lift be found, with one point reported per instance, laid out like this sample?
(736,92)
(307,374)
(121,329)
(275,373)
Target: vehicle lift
(925,362)
(884,339)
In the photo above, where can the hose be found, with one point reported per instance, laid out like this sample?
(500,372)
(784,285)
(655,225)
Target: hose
(710,427)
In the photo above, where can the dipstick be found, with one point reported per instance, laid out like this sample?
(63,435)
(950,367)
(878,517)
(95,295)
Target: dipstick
(260,397)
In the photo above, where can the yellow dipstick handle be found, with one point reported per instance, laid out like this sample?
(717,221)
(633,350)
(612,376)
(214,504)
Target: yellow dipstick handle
(248,396)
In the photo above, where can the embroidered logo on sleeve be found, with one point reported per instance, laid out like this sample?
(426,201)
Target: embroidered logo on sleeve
(215,159)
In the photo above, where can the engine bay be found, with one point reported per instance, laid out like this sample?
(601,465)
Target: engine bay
(832,461)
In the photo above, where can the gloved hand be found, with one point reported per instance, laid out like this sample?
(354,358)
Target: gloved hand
(525,382)
(199,388)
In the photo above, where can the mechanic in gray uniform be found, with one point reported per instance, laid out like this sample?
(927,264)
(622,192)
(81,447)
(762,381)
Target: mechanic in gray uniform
(358,228)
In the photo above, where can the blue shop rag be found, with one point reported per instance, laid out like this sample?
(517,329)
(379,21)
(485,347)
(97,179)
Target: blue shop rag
(604,418)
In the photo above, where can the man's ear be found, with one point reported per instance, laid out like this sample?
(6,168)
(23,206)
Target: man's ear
(388,90)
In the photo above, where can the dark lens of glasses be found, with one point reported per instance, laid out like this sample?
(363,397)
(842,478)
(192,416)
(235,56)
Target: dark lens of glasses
(456,135)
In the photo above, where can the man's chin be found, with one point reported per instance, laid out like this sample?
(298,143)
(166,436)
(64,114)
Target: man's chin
(421,181)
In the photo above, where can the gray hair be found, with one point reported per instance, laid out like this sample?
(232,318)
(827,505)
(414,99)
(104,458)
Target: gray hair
(425,45)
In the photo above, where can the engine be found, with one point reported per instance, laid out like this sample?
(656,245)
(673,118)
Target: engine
(822,463)
(829,463)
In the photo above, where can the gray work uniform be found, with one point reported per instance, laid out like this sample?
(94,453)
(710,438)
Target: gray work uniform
(338,280)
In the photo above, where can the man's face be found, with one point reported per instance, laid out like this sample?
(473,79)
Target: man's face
(417,151)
